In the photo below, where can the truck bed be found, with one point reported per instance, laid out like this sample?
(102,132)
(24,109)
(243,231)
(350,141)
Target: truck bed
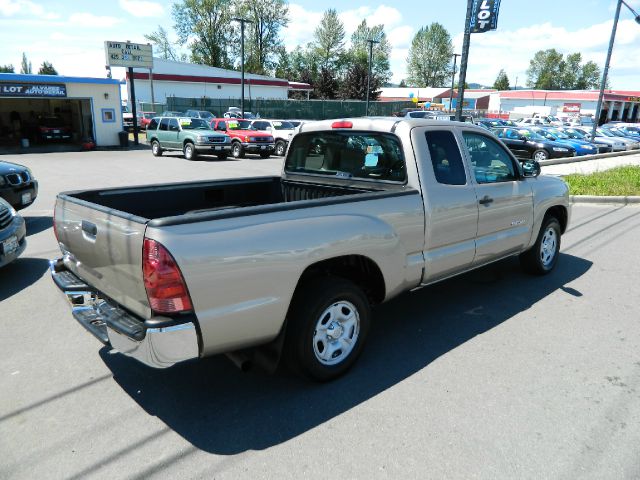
(175,200)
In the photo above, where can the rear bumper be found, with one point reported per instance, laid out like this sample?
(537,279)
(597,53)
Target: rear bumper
(18,230)
(158,342)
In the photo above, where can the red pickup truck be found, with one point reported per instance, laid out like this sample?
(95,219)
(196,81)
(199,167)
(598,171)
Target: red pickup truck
(243,137)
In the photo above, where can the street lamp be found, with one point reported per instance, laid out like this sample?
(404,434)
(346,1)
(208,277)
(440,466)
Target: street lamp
(242,23)
(606,63)
(370,42)
(453,79)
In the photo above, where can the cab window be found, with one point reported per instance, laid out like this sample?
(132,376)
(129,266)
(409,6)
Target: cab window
(491,163)
(173,125)
(164,124)
(153,124)
(445,157)
(358,155)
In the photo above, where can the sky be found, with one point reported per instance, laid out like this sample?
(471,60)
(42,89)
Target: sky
(71,35)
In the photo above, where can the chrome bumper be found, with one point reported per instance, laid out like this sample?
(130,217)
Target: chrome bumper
(156,347)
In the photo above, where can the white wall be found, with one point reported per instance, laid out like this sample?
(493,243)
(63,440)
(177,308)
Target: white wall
(106,134)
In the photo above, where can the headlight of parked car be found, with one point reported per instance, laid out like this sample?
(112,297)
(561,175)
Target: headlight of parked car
(560,149)
(201,139)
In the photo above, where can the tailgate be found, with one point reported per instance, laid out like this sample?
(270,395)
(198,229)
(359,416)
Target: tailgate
(104,248)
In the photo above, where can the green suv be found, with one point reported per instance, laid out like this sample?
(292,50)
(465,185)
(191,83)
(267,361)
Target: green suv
(192,136)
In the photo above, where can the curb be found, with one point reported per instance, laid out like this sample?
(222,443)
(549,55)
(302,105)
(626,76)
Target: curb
(604,199)
(586,158)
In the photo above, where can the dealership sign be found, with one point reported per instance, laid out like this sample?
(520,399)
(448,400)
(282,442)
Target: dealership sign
(32,90)
(127,54)
(571,108)
(484,16)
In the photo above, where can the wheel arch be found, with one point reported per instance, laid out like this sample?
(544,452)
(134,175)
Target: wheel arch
(560,212)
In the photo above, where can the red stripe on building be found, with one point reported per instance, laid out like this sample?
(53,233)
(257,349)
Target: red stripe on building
(198,79)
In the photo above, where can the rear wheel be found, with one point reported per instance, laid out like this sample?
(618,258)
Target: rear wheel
(281,148)
(543,256)
(237,151)
(540,155)
(155,148)
(190,151)
(327,326)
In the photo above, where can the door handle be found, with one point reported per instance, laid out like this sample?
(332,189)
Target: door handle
(486,200)
(89,230)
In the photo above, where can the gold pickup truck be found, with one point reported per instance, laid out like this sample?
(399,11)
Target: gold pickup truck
(364,210)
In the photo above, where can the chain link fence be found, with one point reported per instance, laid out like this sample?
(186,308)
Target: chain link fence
(284,109)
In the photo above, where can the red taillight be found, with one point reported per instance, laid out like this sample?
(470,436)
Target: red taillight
(342,124)
(163,281)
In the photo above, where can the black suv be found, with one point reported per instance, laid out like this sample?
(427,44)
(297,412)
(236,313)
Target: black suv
(17,185)
(525,143)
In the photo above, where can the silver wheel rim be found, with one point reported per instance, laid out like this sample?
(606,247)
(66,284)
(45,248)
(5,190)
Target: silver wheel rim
(155,148)
(336,333)
(540,156)
(187,151)
(280,150)
(236,150)
(548,247)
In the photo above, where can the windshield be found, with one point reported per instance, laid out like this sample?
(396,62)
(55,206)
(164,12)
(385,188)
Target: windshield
(194,124)
(604,133)
(531,135)
(545,133)
(558,133)
(577,134)
(283,126)
(205,114)
(239,125)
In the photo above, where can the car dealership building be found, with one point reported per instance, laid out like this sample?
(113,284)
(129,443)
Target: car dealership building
(52,108)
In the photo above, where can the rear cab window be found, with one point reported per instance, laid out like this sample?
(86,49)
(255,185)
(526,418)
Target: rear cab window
(357,155)
(445,157)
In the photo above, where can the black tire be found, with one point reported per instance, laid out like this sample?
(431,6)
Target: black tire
(236,150)
(223,156)
(543,256)
(265,155)
(310,308)
(155,148)
(540,155)
(281,148)
(189,151)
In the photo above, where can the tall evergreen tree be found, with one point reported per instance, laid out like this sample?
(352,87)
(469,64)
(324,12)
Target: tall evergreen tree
(502,81)
(25,66)
(329,39)
(47,69)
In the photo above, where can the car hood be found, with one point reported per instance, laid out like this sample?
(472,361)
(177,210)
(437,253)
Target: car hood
(8,167)
(253,133)
(208,133)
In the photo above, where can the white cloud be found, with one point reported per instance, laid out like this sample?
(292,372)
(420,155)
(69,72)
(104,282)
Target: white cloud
(141,8)
(89,20)
(9,8)
(401,37)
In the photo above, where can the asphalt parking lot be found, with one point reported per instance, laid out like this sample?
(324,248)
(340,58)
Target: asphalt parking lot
(494,374)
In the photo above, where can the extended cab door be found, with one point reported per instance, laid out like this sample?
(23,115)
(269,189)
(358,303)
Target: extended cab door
(451,206)
(505,199)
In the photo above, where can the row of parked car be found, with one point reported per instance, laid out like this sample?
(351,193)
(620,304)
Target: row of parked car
(542,142)
(199,132)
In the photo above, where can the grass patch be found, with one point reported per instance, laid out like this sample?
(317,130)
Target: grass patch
(621,181)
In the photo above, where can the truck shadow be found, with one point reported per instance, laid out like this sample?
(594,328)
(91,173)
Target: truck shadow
(220,410)
(38,224)
(19,275)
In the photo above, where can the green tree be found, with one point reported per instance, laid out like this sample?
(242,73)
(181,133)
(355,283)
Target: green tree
(428,64)
(569,71)
(164,46)
(329,40)
(326,86)
(357,60)
(47,69)
(589,77)
(403,83)
(502,81)
(544,69)
(25,66)
(263,35)
(354,84)
(7,69)
(205,26)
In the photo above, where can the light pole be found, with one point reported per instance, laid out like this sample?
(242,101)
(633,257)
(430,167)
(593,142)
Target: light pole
(608,60)
(453,79)
(370,42)
(242,23)
(463,60)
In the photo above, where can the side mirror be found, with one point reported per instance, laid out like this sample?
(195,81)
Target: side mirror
(531,168)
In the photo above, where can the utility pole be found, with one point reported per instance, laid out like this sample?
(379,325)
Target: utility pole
(370,42)
(242,22)
(605,72)
(463,60)
(453,79)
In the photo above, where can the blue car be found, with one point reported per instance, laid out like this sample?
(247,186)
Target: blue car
(582,146)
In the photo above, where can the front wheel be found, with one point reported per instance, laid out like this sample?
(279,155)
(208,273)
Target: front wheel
(281,148)
(327,325)
(540,155)
(190,151)
(543,256)
(237,151)
(155,148)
